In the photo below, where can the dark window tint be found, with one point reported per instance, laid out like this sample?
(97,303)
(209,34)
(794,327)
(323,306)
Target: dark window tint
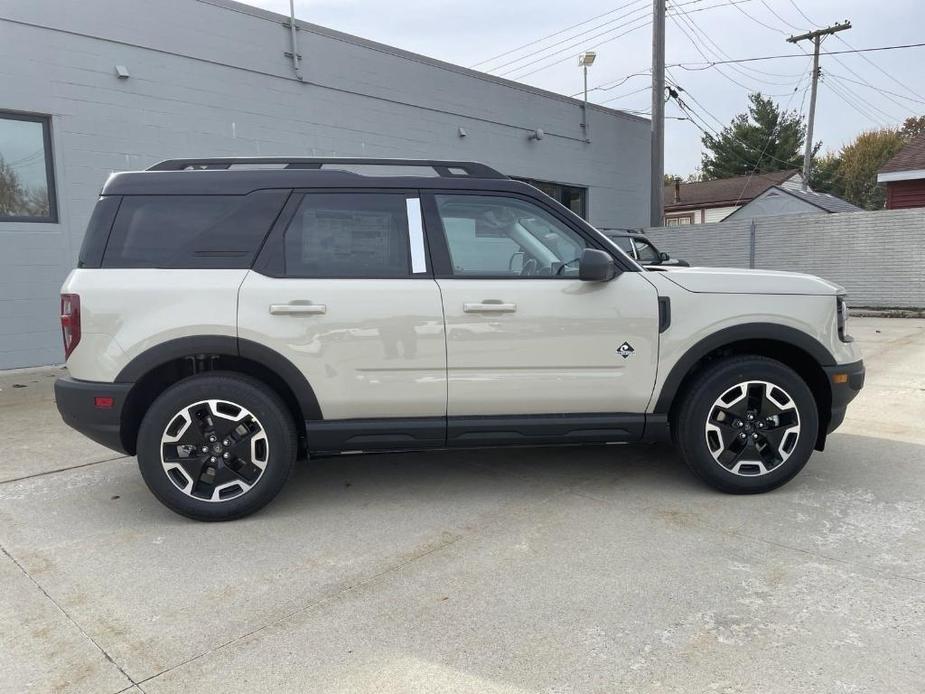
(191,231)
(94,243)
(573,197)
(27,186)
(349,235)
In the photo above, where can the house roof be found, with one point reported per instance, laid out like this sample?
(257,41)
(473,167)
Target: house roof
(823,201)
(722,192)
(910,158)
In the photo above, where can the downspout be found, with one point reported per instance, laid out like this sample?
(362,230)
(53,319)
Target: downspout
(294,42)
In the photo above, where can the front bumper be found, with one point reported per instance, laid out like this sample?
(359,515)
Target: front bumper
(846,381)
(78,404)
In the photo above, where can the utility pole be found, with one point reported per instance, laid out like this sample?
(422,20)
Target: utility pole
(816,37)
(657,202)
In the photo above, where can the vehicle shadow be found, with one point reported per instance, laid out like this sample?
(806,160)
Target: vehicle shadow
(423,477)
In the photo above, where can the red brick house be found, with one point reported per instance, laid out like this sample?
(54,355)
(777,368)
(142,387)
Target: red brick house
(904,176)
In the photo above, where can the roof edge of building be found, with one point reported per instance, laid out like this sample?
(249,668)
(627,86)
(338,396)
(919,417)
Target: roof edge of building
(269,15)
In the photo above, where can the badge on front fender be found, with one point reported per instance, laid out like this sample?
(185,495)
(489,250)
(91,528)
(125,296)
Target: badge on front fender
(626,350)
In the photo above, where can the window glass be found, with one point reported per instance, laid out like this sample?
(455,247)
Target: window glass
(645,251)
(191,231)
(625,244)
(349,235)
(573,197)
(506,237)
(26,179)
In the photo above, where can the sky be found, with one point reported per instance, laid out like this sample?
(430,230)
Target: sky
(857,92)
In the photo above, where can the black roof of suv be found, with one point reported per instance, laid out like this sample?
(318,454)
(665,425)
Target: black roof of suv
(242,175)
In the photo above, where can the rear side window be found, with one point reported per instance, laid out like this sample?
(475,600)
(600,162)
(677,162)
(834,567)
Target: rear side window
(97,233)
(191,231)
(349,235)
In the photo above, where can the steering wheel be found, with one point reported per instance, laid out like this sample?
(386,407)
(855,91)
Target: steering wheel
(529,267)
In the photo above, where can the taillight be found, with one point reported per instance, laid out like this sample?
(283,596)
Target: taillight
(70,322)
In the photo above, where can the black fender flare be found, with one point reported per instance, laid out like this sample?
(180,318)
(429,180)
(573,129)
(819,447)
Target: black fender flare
(772,332)
(225,345)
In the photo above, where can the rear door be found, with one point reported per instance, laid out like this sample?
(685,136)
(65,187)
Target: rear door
(525,336)
(344,290)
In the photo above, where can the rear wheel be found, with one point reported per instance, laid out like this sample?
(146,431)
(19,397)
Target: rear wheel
(216,446)
(747,424)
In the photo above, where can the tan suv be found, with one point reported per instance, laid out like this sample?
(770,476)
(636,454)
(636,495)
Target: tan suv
(229,315)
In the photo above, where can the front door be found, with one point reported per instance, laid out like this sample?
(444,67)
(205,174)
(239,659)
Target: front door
(525,336)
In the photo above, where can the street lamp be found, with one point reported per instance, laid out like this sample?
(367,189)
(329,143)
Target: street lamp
(586,60)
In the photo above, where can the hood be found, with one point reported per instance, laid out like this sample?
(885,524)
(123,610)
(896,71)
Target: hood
(727,280)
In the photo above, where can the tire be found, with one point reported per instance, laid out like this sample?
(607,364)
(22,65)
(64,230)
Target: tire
(778,438)
(239,472)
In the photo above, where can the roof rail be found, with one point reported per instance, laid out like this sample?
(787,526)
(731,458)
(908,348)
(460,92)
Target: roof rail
(445,169)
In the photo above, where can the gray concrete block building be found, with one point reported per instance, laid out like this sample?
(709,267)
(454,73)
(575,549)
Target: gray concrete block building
(98,86)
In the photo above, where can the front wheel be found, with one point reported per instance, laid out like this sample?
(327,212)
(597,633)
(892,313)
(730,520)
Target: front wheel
(216,446)
(747,424)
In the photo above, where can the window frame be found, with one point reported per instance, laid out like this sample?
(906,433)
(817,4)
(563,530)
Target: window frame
(45,121)
(677,217)
(435,234)
(271,259)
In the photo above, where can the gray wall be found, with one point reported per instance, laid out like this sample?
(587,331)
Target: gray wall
(208,77)
(879,257)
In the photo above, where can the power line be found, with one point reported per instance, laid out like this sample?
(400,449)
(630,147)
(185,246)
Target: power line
(708,64)
(621,96)
(571,38)
(892,77)
(569,49)
(774,12)
(718,121)
(556,33)
(705,38)
(803,14)
(607,86)
(850,103)
(842,78)
(557,62)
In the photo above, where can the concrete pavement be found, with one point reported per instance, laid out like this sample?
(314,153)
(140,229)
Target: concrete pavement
(604,569)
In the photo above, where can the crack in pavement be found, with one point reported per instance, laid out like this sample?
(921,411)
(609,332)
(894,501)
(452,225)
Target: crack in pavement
(330,597)
(63,469)
(67,615)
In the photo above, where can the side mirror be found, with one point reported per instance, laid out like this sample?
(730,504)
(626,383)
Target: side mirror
(664,257)
(596,266)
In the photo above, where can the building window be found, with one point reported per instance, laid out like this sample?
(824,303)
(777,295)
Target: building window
(573,197)
(27,184)
(679,220)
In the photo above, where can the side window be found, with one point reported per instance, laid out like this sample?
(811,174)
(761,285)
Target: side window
(191,231)
(496,236)
(344,235)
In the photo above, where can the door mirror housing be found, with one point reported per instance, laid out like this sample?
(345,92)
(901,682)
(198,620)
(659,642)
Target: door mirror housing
(664,257)
(596,266)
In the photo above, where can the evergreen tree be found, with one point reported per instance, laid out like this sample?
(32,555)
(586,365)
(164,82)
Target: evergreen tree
(764,139)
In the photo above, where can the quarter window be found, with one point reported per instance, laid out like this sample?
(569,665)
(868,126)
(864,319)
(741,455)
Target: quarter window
(27,186)
(349,235)
(191,231)
(495,236)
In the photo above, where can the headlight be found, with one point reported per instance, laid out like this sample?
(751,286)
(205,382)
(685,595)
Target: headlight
(842,317)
